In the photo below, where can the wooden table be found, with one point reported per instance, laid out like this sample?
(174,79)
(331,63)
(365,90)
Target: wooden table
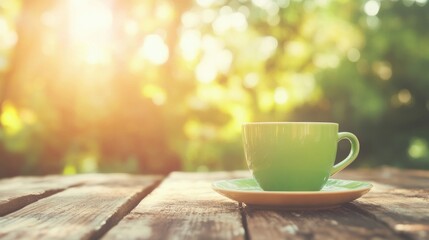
(183,206)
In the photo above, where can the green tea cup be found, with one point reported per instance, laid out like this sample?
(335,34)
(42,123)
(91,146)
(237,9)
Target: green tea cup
(294,156)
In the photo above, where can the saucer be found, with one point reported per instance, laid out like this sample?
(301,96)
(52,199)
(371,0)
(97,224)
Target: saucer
(335,193)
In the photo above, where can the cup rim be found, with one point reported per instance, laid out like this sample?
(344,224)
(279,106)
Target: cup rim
(289,123)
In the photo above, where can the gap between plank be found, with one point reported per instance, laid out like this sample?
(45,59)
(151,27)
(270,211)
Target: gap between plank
(244,221)
(123,211)
(23,201)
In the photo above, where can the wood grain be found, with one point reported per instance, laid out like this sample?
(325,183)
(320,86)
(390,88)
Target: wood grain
(399,199)
(183,207)
(405,211)
(82,212)
(18,192)
(339,223)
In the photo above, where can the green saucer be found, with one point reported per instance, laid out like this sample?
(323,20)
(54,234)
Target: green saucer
(335,193)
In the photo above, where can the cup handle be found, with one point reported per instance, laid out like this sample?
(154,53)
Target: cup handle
(354,151)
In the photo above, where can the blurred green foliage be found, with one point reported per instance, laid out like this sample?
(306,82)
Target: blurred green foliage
(156,86)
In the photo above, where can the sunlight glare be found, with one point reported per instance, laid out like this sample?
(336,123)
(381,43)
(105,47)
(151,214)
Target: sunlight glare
(49,18)
(96,55)
(206,3)
(90,21)
(3,26)
(190,43)
(417,228)
(90,32)
(154,49)
(8,38)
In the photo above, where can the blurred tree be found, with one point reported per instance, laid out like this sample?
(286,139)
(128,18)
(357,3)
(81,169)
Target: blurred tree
(155,86)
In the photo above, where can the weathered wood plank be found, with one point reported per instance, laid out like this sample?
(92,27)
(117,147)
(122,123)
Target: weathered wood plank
(183,207)
(82,212)
(404,211)
(400,199)
(18,192)
(339,223)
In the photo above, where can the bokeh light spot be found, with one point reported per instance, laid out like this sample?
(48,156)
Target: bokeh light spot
(154,49)
(353,55)
(371,7)
(295,48)
(421,2)
(10,119)
(155,93)
(131,28)
(205,72)
(326,60)
(206,3)
(190,19)
(164,12)
(227,20)
(383,70)
(3,63)
(373,22)
(281,96)
(267,46)
(404,96)
(69,169)
(251,80)
(190,44)
(418,148)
